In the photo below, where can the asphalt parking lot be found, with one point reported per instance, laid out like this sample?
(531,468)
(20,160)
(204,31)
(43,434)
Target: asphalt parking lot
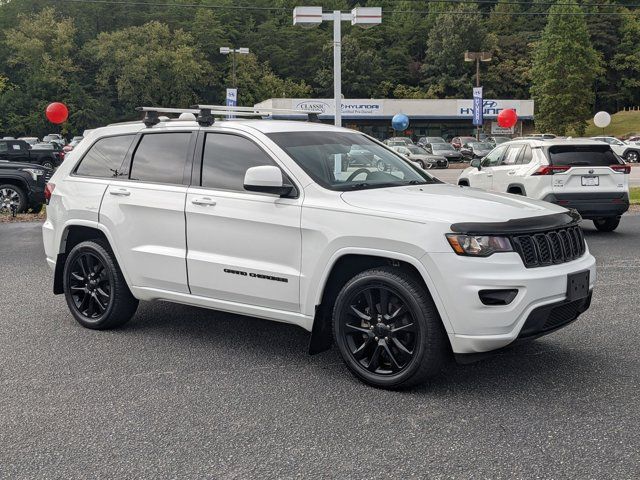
(190,393)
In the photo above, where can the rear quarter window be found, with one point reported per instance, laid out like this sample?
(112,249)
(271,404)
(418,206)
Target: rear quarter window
(105,157)
(586,155)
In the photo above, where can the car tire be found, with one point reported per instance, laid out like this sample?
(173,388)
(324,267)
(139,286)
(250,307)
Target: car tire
(12,195)
(421,164)
(94,287)
(48,164)
(407,344)
(37,208)
(631,156)
(607,224)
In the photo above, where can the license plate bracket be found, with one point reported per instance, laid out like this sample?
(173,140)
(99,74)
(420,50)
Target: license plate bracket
(578,285)
(590,181)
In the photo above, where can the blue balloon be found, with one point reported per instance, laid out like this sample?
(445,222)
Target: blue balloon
(400,122)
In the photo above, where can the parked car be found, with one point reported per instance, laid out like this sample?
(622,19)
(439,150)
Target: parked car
(396,140)
(396,266)
(22,186)
(475,149)
(423,158)
(445,150)
(72,144)
(457,142)
(54,138)
(30,140)
(422,141)
(21,151)
(498,140)
(582,174)
(630,152)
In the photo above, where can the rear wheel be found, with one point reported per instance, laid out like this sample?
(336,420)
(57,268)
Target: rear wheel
(607,224)
(94,287)
(421,163)
(388,330)
(48,164)
(12,198)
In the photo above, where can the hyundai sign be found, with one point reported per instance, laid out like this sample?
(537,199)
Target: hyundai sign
(477,106)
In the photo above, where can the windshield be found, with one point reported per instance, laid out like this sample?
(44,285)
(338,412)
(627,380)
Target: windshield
(325,158)
(418,150)
(587,155)
(441,147)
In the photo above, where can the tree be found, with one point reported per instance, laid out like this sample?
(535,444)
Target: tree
(445,73)
(256,82)
(565,66)
(149,65)
(626,62)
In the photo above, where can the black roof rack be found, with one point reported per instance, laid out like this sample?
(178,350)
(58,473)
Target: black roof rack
(205,114)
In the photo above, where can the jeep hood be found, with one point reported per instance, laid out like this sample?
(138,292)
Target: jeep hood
(448,203)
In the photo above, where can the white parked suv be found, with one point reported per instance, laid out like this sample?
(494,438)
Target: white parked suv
(264,218)
(584,175)
(629,151)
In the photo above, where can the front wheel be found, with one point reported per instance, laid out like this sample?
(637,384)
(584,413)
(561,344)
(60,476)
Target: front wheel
(48,164)
(631,156)
(94,287)
(12,199)
(607,224)
(421,164)
(388,330)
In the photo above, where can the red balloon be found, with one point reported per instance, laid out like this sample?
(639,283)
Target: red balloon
(57,112)
(507,118)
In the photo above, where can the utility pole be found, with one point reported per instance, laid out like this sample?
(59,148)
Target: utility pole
(232,51)
(477,57)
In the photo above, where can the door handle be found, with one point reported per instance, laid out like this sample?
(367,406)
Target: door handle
(121,192)
(204,201)
(489,174)
(511,172)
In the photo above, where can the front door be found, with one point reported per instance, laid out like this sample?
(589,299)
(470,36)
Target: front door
(242,246)
(483,177)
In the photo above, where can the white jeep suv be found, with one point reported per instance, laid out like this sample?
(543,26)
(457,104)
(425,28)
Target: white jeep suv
(265,218)
(585,175)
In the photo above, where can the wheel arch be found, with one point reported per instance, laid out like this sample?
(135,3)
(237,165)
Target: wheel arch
(72,235)
(343,266)
(463,182)
(517,186)
(16,181)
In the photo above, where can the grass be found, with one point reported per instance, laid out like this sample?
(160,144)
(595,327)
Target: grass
(622,124)
(634,195)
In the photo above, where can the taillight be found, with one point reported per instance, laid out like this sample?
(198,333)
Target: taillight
(551,169)
(621,168)
(48,190)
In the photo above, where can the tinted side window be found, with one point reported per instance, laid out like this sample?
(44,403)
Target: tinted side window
(161,158)
(512,155)
(494,157)
(3,147)
(105,157)
(226,158)
(527,155)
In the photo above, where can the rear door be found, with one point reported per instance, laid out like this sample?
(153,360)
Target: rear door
(144,211)
(588,169)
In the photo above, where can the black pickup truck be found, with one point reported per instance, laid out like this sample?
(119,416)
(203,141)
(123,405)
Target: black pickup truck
(20,151)
(22,186)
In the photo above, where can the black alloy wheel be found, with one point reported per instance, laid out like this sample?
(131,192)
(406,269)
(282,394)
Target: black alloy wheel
(12,199)
(387,329)
(90,285)
(94,287)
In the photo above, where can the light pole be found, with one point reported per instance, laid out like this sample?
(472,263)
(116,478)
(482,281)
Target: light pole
(365,17)
(477,57)
(233,51)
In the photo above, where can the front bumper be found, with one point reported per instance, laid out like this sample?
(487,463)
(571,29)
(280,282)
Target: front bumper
(474,327)
(592,205)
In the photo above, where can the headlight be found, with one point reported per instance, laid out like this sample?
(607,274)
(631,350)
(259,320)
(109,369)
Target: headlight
(35,173)
(478,245)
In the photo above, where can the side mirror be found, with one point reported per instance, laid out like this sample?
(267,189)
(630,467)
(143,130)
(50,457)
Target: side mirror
(266,179)
(476,163)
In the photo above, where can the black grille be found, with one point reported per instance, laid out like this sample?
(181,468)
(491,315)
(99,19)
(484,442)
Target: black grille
(47,176)
(563,314)
(555,246)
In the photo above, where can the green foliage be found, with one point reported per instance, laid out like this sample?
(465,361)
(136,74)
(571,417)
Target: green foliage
(105,59)
(565,66)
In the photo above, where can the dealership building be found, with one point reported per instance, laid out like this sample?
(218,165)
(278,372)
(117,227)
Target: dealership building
(442,118)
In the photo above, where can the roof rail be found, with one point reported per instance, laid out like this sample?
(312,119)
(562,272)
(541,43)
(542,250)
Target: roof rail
(205,113)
